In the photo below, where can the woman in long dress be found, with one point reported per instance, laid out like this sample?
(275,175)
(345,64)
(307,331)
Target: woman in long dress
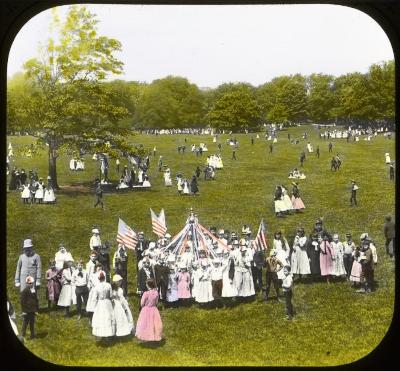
(149,326)
(193,185)
(243,275)
(338,263)
(123,315)
(183,283)
(326,257)
(300,263)
(93,282)
(297,202)
(313,252)
(103,320)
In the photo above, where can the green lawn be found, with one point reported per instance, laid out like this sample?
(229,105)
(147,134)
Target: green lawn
(334,324)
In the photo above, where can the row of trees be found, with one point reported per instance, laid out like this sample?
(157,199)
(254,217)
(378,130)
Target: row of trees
(63,97)
(174,102)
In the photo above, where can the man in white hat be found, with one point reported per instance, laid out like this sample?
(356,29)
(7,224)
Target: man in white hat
(95,240)
(29,264)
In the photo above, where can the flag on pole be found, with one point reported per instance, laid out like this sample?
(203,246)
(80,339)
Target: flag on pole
(158,223)
(260,242)
(126,235)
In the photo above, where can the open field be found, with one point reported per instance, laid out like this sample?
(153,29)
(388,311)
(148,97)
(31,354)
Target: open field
(334,324)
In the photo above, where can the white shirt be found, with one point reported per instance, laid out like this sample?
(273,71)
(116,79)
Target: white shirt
(78,280)
(287,282)
(216,273)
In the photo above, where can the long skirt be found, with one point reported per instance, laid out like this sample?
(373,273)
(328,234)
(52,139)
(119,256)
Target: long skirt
(67,296)
(149,326)
(300,263)
(91,303)
(123,318)
(356,271)
(244,283)
(297,203)
(325,264)
(103,320)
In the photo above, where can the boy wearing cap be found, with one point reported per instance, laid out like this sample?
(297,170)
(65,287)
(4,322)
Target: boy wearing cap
(29,306)
(29,264)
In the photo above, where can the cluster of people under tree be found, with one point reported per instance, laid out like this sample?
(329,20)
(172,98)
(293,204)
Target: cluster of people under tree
(33,189)
(77,164)
(285,205)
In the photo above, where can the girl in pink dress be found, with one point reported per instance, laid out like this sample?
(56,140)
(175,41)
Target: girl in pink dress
(183,285)
(325,258)
(149,326)
(53,289)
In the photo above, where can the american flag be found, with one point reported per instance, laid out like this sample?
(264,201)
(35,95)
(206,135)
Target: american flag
(158,223)
(260,242)
(126,235)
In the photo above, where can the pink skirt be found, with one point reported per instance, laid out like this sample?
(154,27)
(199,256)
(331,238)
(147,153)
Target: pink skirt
(149,326)
(356,272)
(297,203)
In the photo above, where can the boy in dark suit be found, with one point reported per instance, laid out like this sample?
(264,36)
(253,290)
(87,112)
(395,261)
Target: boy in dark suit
(29,306)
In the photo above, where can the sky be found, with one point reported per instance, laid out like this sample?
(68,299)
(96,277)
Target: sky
(211,45)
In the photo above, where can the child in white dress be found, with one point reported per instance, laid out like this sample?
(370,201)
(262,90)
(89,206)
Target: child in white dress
(67,295)
(123,315)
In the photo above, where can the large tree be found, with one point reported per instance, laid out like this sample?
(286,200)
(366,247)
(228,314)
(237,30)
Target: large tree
(284,99)
(171,102)
(321,97)
(67,104)
(235,109)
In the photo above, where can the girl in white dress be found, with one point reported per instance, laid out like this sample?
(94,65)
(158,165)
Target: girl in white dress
(103,320)
(186,190)
(123,315)
(229,289)
(204,290)
(40,192)
(49,196)
(67,295)
(179,183)
(338,268)
(172,291)
(93,282)
(25,194)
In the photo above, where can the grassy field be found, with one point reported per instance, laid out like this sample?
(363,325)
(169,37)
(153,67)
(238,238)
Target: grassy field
(334,324)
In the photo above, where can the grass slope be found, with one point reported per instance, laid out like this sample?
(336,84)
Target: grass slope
(334,325)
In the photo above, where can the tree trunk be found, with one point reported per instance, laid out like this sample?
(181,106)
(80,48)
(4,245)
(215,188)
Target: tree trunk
(53,166)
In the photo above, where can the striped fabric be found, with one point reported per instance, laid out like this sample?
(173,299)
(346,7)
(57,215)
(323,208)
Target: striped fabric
(158,223)
(126,235)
